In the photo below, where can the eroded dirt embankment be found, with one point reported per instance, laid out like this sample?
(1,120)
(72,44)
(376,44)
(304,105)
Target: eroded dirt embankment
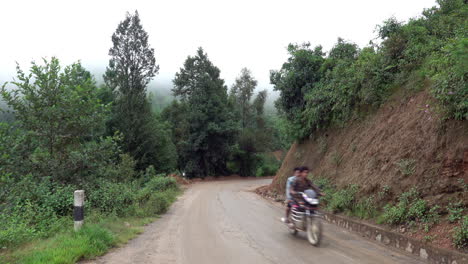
(404,134)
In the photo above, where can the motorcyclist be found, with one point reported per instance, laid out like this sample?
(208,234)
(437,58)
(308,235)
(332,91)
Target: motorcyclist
(302,183)
(289,201)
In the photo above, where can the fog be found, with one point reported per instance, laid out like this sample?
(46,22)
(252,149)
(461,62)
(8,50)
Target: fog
(235,34)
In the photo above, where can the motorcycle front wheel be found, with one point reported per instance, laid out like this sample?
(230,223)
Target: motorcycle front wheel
(314,231)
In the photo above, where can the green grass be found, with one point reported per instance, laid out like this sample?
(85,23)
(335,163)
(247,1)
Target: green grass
(94,239)
(99,234)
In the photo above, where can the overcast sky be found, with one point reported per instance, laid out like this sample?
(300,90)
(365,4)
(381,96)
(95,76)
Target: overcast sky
(235,34)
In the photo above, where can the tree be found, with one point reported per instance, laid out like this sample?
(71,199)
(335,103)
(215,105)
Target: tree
(176,116)
(253,136)
(211,127)
(132,64)
(241,93)
(60,108)
(131,68)
(57,112)
(295,79)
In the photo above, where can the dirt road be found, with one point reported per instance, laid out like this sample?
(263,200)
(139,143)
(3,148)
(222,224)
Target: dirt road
(224,222)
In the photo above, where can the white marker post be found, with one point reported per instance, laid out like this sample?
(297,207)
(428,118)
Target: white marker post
(78,210)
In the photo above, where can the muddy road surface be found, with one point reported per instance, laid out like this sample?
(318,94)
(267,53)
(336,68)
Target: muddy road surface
(225,222)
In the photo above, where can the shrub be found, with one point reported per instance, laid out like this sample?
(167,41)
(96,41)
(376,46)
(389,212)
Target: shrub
(455,211)
(109,197)
(14,226)
(327,187)
(384,192)
(417,209)
(343,199)
(460,234)
(366,208)
(393,214)
(157,183)
(409,208)
(268,166)
(448,72)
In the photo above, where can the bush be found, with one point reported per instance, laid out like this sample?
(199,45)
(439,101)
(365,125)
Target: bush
(46,207)
(460,235)
(365,208)
(410,208)
(455,211)
(161,183)
(431,217)
(109,197)
(417,209)
(448,72)
(327,187)
(268,166)
(14,226)
(343,199)
(393,215)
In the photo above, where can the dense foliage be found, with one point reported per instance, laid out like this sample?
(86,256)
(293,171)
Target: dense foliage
(254,138)
(319,90)
(211,127)
(58,145)
(131,68)
(216,133)
(64,133)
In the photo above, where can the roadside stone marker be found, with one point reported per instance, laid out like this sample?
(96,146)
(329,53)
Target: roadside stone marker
(78,210)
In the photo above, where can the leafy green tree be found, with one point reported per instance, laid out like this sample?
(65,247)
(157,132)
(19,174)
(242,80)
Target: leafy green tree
(57,113)
(176,115)
(59,108)
(211,126)
(389,27)
(241,93)
(253,137)
(295,79)
(131,68)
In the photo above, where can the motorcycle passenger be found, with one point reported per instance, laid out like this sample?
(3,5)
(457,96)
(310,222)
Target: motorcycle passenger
(289,200)
(302,183)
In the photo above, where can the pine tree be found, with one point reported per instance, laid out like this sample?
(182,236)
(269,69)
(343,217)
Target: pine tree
(131,68)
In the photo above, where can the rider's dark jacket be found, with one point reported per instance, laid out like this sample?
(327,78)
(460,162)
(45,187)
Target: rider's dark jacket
(302,184)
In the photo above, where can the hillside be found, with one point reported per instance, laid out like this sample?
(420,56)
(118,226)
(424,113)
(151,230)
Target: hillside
(405,133)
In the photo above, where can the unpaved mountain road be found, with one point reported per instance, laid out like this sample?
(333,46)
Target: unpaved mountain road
(224,222)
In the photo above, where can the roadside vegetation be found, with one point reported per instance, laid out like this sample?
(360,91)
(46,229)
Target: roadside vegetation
(321,90)
(410,212)
(324,90)
(60,131)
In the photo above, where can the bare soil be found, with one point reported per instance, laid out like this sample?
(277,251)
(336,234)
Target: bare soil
(367,152)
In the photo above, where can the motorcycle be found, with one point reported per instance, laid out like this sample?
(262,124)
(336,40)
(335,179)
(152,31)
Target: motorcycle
(304,217)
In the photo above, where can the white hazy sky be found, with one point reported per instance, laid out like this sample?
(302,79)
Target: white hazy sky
(235,34)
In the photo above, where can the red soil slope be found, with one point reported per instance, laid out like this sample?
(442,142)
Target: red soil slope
(367,152)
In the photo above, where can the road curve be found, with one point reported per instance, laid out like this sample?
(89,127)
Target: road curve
(224,222)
